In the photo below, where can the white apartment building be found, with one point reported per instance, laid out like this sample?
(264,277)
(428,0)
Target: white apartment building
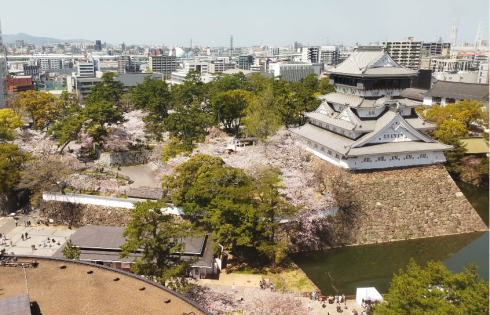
(310,54)
(202,67)
(221,66)
(483,73)
(85,69)
(406,53)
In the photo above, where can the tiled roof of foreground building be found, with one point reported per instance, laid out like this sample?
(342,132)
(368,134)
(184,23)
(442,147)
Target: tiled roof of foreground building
(73,290)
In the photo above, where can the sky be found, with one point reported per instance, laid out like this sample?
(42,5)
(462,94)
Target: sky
(251,22)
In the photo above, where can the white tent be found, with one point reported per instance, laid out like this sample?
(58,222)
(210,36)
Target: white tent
(368,294)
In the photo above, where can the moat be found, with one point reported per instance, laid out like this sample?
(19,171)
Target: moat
(342,270)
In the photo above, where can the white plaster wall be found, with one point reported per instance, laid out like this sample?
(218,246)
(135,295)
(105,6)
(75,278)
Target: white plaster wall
(92,200)
(400,134)
(427,101)
(365,112)
(433,157)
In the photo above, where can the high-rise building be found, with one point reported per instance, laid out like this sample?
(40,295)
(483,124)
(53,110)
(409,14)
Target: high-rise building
(311,54)
(3,72)
(126,65)
(98,45)
(123,47)
(329,55)
(19,43)
(406,53)
(85,69)
(163,64)
(244,62)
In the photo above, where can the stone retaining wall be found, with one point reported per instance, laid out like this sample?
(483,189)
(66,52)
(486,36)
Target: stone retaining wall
(124,158)
(408,203)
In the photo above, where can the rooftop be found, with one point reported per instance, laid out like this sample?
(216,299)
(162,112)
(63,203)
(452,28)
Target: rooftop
(475,145)
(460,91)
(373,63)
(74,291)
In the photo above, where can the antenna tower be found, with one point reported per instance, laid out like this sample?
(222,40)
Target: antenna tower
(231,46)
(454,34)
(478,34)
(191,44)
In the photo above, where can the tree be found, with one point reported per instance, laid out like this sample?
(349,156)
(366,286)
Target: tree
(325,87)
(263,117)
(99,116)
(43,174)
(154,97)
(9,120)
(188,124)
(11,159)
(271,207)
(108,90)
(467,111)
(157,237)
(451,129)
(454,157)
(435,290)
(42,107)
(71,252)
(231,107)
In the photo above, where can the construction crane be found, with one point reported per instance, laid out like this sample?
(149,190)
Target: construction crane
(478,35)
(454,34)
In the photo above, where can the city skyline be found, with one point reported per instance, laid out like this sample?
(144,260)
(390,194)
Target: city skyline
(155,23)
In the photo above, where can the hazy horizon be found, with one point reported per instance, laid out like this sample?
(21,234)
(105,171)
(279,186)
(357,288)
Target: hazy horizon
(151,22)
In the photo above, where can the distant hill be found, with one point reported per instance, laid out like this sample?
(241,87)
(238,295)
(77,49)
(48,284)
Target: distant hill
(39,40)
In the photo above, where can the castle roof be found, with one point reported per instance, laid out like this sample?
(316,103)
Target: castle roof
(371,64)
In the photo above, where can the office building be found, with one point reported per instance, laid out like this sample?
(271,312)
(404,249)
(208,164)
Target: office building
(310,54)
(293,72)
(245,62)
(19,44)
(163,64)
(17,84)
(126,65)
(98,45)
(3,72)
(366,124)
(218,66)
(406,53)
(31,70)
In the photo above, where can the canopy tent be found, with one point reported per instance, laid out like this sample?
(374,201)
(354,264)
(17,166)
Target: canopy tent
(368,294)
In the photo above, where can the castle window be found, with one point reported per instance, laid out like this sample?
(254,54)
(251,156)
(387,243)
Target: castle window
(409,156)
(315,146)
(334,129)
(337,156)
(423,156)
(329,152)
(367,160)
(381,158)
(309,142)
(394,157)
(322,149)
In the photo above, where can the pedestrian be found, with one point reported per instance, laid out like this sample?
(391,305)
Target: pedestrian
(25,224)
(16,221)
(233,288)
(241,298)
(309,306)
(22,236)
(27,235)
(323,304)
(11,244)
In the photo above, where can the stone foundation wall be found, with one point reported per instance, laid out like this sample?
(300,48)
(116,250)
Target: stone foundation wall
(125,158)
(78,215)
(408,203)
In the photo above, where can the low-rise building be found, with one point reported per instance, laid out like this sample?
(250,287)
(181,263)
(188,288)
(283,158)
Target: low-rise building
(444,92)
(101,245)
(17,84)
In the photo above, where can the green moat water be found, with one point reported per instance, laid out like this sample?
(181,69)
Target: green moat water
(342,270)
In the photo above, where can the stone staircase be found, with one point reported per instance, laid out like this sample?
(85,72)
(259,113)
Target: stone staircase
(153,166)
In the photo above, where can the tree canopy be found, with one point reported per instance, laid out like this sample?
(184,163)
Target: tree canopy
(157,237)
(435,290)
(43,108)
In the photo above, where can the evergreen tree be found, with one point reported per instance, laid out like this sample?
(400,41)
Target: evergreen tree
(71,252)
(158,237)
(435,290)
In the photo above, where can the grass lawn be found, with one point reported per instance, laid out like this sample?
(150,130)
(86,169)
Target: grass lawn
(293,279)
